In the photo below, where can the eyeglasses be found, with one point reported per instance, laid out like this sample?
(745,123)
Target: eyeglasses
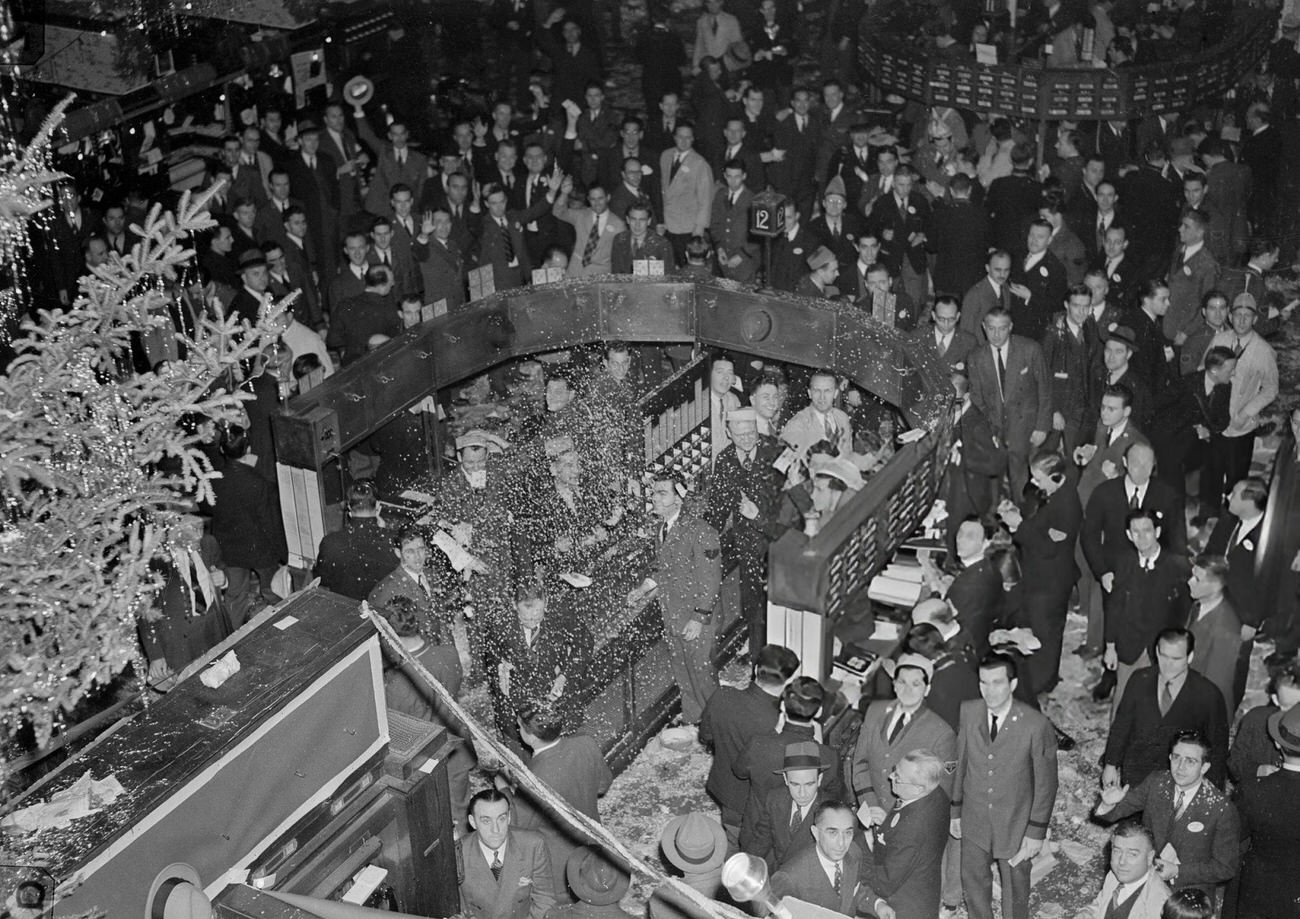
(899,780)
(936,139)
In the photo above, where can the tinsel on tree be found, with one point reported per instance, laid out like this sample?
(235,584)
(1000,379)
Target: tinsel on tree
(98,463)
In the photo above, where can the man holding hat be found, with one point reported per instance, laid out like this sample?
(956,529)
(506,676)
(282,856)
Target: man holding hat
(1254,384)
(783,820)
(824,268)
(1270,816)
(598,882)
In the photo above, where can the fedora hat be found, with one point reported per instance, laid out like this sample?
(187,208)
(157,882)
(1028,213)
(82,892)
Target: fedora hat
(595,878)
(694,843)
(805,754)
(1284,728)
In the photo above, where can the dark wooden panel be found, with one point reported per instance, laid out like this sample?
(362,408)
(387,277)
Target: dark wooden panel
(553,317)
(644,310)
(767,324)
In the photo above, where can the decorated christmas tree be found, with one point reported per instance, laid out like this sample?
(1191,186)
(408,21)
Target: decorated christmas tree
(98,462)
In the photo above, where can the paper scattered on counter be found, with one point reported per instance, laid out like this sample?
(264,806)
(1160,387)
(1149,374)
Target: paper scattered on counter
(220,670)
(83,798)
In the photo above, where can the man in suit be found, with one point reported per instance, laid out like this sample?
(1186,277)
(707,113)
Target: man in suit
(818,283)
(1072,352)
(395,164)
(638,242)
(687,574)
(736,145)
(820,420)
(269,223)
(1012,201)
(1116,431)
(959,235)
(505,873)
(943,338)
(1238,538)
(1192,274)
(545,653)
(1151,205)
(342,145)
(687,184)
(300,267)
(738,256)
(351,561)
(1195,827)
(909,850)
(975,589)
(790,251)
(1157,704)
(1228,191)
(411,579)
(1038,283)
(799,137)
(595,228)
(351,278)
(1123,273)
(1081,205)
(1148,595)
(371,312)
(782,822)
(902,220)
(832,873)
(313,181)
(1104,538)
(384,251)
(1215,625)
(1004,791)
(1063,244)
(838,229)
(892,728)
(731,717)
(1133,886)
(834,118)
(1010,386)
(440,260)
(744,490)
(1270,816)
(501,239)
(574,768)
(1192,410)
(988,292)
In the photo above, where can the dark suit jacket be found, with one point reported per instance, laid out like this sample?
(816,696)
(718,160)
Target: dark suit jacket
(746,540)
(959,236)
(349,186)
(731,717)
(442,268)
(1049,562)
(343,287)
(1047,285)
(1177,411)
(1072,363)
(492,250)
(575,769)
(1270,816)
(1012,202)
(766,831)
(351,561)
(1149,361)
(1104,542)
(1140,736)
(793,176)
(977,301)
(527,886)
(845,246)
(1143,602)
(319,193)
(562,645)
(1026,406)
(1206,836)
(1218,641)
(790,259)
(959,348)
(975,593)
(913,218)
(1004,789)
(1244,587)
(909,854)
(300,263)
(654,247)
(688,570)
(803,877)
(357,318)
(1151,204)
(760,759)
(246,518)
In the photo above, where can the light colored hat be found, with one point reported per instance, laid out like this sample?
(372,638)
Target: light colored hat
(742,414)
(1245,301)
(909,660)
(820,258)
(835,187)
(838,468)
(694,843)
(480,438)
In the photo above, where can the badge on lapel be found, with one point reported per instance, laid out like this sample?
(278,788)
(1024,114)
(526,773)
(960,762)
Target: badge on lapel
(1250,546)
(1195,826)
(1042,269)
(1187,270)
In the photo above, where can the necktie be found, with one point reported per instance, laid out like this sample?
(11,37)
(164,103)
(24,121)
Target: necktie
(1232,540)
(589,250)
(663,533)
(715,25)
(677,164)
(897,729)
(799,121)
(796,818)
(993,728)
(311,163)
(401,157)
(746,462)
(509,243)
(529,635)
(1236,346)
(829,425)
(1166,699)
(1179,803)
(839,878)
(944,342)
(1133,502)
(383,257)
(496,865)
(1002,375)
(1101,230)
(835,229)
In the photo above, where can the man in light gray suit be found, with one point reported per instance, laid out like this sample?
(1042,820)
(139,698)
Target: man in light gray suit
(594,228)
(505,872)
(1009,384)
(687,183)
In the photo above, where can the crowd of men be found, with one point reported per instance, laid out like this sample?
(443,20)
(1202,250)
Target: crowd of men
(1105,315)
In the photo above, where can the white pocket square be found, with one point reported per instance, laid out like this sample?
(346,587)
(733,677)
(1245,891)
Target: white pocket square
(1024,370)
